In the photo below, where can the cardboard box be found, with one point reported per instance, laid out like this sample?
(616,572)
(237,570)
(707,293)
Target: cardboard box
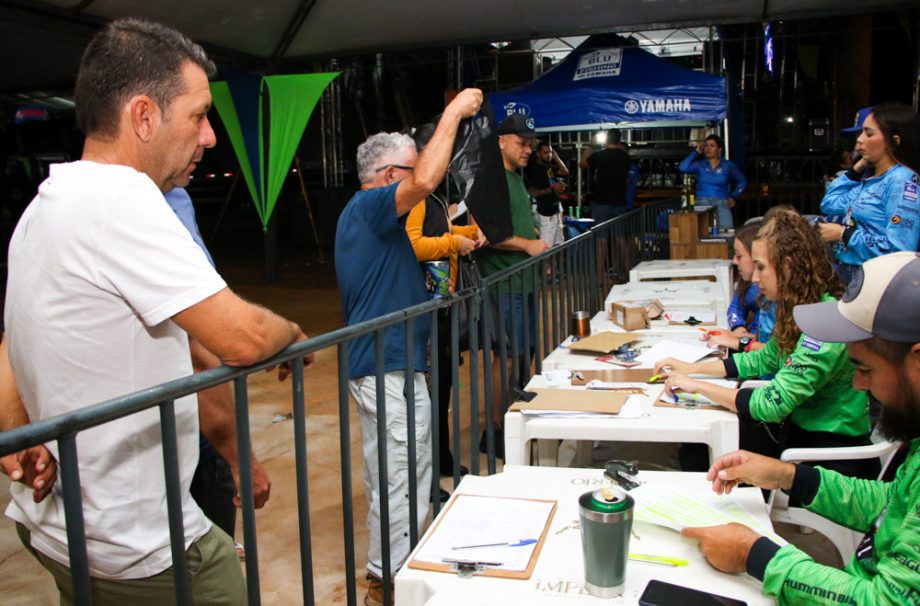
(634,315)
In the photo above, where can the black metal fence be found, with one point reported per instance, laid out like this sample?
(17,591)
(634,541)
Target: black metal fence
(574,276)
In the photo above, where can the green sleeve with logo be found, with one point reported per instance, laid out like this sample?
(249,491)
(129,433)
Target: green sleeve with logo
(883,571)
(813,387)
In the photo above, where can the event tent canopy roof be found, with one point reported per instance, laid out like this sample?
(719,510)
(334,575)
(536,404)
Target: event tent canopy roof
(45,38)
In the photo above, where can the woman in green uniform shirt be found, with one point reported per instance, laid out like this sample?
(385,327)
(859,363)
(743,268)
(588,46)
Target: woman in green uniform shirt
(811,396)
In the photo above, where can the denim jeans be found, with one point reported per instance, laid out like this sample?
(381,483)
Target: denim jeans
(723,212)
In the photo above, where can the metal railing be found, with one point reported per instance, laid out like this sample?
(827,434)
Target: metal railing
(573,276)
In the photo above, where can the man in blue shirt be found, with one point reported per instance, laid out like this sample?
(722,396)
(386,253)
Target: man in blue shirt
(217,477)
(378,274)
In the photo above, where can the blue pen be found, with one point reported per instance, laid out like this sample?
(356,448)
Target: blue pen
(520,543)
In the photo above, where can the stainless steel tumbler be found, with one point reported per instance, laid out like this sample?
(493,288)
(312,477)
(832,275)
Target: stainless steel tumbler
(606,524)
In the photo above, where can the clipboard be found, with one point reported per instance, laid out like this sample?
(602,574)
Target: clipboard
(602,342)
(664,404)
(612,375)
(444,519)
(572,400)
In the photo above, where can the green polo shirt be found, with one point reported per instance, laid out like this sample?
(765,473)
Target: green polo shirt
(492,260)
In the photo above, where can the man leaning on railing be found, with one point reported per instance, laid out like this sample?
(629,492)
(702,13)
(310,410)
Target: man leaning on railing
(105,290)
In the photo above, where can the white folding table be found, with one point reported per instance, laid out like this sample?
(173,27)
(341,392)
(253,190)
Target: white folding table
(675,294)
(558,578)
(718,429)
(719,269)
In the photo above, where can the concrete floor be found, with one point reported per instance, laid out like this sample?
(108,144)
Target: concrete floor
(307,295)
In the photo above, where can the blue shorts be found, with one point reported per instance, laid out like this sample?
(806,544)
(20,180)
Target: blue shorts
(511,307)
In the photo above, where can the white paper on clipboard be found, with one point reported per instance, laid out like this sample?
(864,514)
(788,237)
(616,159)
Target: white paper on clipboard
(481,520)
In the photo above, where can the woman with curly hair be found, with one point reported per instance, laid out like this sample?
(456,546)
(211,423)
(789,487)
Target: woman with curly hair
(811,397)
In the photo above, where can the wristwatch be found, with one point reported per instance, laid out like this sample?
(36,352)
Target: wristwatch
(744,343)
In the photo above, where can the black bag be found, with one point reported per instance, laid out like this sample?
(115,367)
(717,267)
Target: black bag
(468,277)
(479,171)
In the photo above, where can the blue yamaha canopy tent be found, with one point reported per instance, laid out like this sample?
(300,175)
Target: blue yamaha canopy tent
(605,87)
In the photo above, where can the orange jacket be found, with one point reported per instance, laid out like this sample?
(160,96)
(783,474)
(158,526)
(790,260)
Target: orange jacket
(434,248)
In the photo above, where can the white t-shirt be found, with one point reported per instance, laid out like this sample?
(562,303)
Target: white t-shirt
(98,265)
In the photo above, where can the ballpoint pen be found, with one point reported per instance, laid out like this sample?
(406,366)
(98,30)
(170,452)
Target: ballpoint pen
(519,543)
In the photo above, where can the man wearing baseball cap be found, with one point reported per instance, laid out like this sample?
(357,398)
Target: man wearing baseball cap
(879,319)
(516,136)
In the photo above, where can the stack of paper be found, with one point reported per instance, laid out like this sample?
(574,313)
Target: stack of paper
(662,505)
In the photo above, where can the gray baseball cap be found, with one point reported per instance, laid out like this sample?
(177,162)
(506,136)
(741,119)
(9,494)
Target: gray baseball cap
(882,300)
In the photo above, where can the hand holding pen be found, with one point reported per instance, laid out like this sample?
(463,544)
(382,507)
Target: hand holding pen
(680,383)
(668,365)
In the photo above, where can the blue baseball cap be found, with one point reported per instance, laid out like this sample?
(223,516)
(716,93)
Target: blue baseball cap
(861,116)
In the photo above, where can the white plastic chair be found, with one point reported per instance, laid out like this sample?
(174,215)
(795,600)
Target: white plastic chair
(843,539)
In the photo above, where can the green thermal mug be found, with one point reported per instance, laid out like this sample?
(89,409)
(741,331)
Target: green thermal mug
(606,524)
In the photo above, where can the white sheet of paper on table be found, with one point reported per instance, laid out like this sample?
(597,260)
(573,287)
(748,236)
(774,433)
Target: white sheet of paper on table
(663,505)
(557,378)
(477,520)
(686,351)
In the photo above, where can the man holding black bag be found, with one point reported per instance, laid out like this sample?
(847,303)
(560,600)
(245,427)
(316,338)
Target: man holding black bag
(378,274)
(436,240)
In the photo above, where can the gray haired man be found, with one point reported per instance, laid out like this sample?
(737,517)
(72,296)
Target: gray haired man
(378,274)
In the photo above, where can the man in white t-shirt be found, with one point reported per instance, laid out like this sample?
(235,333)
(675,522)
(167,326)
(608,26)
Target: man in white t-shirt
(105,289)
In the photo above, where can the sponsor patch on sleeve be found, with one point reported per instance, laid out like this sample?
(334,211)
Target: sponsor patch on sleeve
(910,192)
(812,344)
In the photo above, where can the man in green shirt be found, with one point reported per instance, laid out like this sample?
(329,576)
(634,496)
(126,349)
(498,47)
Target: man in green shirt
(513,298)
(879,319)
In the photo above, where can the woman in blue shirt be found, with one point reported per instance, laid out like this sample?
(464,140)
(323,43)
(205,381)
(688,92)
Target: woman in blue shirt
(718,181)
(881,212)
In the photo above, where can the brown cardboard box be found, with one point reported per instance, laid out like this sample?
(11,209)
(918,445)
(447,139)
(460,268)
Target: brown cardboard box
(634,315)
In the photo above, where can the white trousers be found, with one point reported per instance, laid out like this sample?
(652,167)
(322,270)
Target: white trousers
(364,391)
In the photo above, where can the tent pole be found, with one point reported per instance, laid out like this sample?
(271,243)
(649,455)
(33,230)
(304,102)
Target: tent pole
(271,249)
(223,209)
(322,138)
(306,201)
(578,167)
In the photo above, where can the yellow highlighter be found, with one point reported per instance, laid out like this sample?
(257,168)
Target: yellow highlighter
(658,559)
